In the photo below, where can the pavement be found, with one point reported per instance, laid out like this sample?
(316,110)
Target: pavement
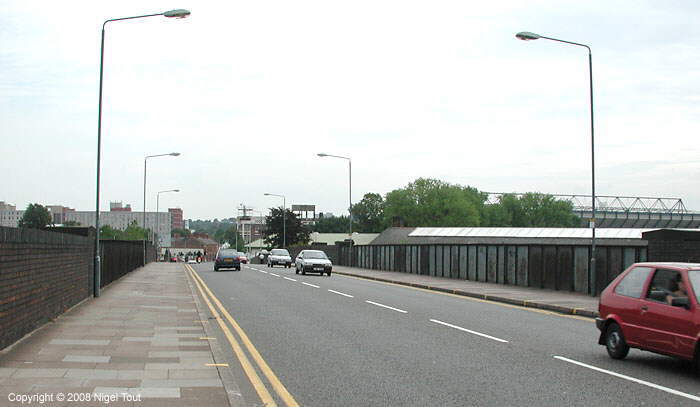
(557,301)
(141,343)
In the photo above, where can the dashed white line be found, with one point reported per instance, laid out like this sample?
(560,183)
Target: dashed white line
(386,306)
(273,274)
(290,279)
(632,379)
(311,285)
(339,293)
(262,271)
(469,331)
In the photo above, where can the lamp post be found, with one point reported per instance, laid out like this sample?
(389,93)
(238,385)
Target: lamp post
(528,36)
(178,13)
(158,204)
(145,161)
(350,184)
(284,217)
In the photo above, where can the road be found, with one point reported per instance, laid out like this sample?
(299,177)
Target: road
(343,341)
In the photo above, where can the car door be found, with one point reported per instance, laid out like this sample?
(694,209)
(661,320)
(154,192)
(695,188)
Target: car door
(665,328)
(625,302)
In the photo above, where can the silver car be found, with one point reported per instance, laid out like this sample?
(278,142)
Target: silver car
(279,257)
(313,261)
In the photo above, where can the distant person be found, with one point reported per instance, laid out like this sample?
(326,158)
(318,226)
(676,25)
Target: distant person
(199,256)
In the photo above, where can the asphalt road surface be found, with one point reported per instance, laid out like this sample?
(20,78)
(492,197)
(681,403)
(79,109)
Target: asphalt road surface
(342,341)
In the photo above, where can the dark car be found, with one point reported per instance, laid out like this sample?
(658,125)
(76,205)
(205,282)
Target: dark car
(227,258)
(653,307)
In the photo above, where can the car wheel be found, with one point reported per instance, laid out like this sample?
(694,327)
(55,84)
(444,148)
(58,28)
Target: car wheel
(329,274)
(303,272)
(615,342)
(296,271)
(216,269)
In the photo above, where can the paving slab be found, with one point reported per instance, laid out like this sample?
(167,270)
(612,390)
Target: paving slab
(140,337)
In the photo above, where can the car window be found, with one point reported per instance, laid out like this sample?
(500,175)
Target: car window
(662,285)
(229,253)
(315,255)
(633,283)
(280,252)
(694,277)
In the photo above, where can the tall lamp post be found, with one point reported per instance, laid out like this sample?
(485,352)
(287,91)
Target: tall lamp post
(145,161)
(178,13)
(349,184)
(528,36)
(284,217)
(158,205)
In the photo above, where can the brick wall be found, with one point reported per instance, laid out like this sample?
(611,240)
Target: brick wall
(673,245)
(42,274)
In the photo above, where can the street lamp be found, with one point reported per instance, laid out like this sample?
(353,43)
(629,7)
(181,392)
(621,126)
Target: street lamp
(145,160)
(158,204)
(178,13)
(528,36)
(350,183)
(284,217)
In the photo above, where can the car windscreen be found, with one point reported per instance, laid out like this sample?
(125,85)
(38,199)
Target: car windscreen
(694,276)
(315,255)
(228,253)
(280,252)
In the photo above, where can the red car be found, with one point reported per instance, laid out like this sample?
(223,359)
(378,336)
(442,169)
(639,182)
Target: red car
(653,307)
(243,257)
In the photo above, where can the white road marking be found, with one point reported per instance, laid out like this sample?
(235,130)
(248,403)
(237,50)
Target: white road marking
(338,292)
(632,379)
(311,285)
(290,279)
(469,331)
(262,271)
(273,274)
(386,306)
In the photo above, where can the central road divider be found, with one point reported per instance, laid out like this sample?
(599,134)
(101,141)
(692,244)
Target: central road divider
(263,393)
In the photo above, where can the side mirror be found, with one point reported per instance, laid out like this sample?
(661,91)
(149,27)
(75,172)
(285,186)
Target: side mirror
(680,302)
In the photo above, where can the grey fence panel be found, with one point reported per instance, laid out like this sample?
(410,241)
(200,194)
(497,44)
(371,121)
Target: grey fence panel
(501,273)
(601,269)
(615,263)
(481,263)
(471,263)
(431,260)
(642,254)
(629,256)
(581,263)
(454,262)
(463,262)
(549,272)
(446,261)
(535,266)
(565,269)
(491,263)
(522,272)
(511,255)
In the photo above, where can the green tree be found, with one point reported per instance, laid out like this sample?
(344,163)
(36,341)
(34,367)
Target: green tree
(333,224)
(431,202)
(109,233)
(542,210)
(36,216)
(181,232)
(368,214)
(71,223)
(296,232)
(228,235)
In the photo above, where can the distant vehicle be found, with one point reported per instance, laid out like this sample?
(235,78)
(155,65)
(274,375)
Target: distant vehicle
(192,261)
(313,261)
(653,307)
(227,258)
(243,257)
(279,257)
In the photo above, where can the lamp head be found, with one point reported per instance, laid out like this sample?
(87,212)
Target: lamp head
(176,190)
(175,154)
(177,13)
(527,36)
(322,155)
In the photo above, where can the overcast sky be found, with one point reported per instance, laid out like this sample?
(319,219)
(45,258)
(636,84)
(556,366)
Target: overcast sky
(250,92)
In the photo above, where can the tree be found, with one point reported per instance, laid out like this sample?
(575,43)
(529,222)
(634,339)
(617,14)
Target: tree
(368,214)
(331,224)
(36,216)
(181,232)
(132,232)
(229,236)
(296,232)
(71,223)
(431,202)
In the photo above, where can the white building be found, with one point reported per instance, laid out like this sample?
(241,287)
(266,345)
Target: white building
(9,215)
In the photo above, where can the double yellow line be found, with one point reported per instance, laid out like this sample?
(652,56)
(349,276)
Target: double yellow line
(248,368)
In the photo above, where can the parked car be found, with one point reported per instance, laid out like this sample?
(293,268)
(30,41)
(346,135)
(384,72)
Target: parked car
(279,257)
(227,258)
(243,257)
(313,261)
(653,307)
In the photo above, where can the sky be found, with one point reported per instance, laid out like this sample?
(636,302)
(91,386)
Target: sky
(250,92)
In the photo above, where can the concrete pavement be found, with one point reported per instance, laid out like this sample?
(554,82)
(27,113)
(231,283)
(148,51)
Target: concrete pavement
(558,301)
(142,343)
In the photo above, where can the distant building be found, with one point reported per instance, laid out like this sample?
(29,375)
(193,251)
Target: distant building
(192,244)
(58,213)
(176,220)
(159,222)
(9,215)
(117,207)
(251,227)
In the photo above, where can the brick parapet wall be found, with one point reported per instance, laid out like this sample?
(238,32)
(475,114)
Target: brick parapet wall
(42,274)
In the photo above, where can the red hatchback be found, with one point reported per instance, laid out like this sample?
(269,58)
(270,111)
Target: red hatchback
(654,307)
